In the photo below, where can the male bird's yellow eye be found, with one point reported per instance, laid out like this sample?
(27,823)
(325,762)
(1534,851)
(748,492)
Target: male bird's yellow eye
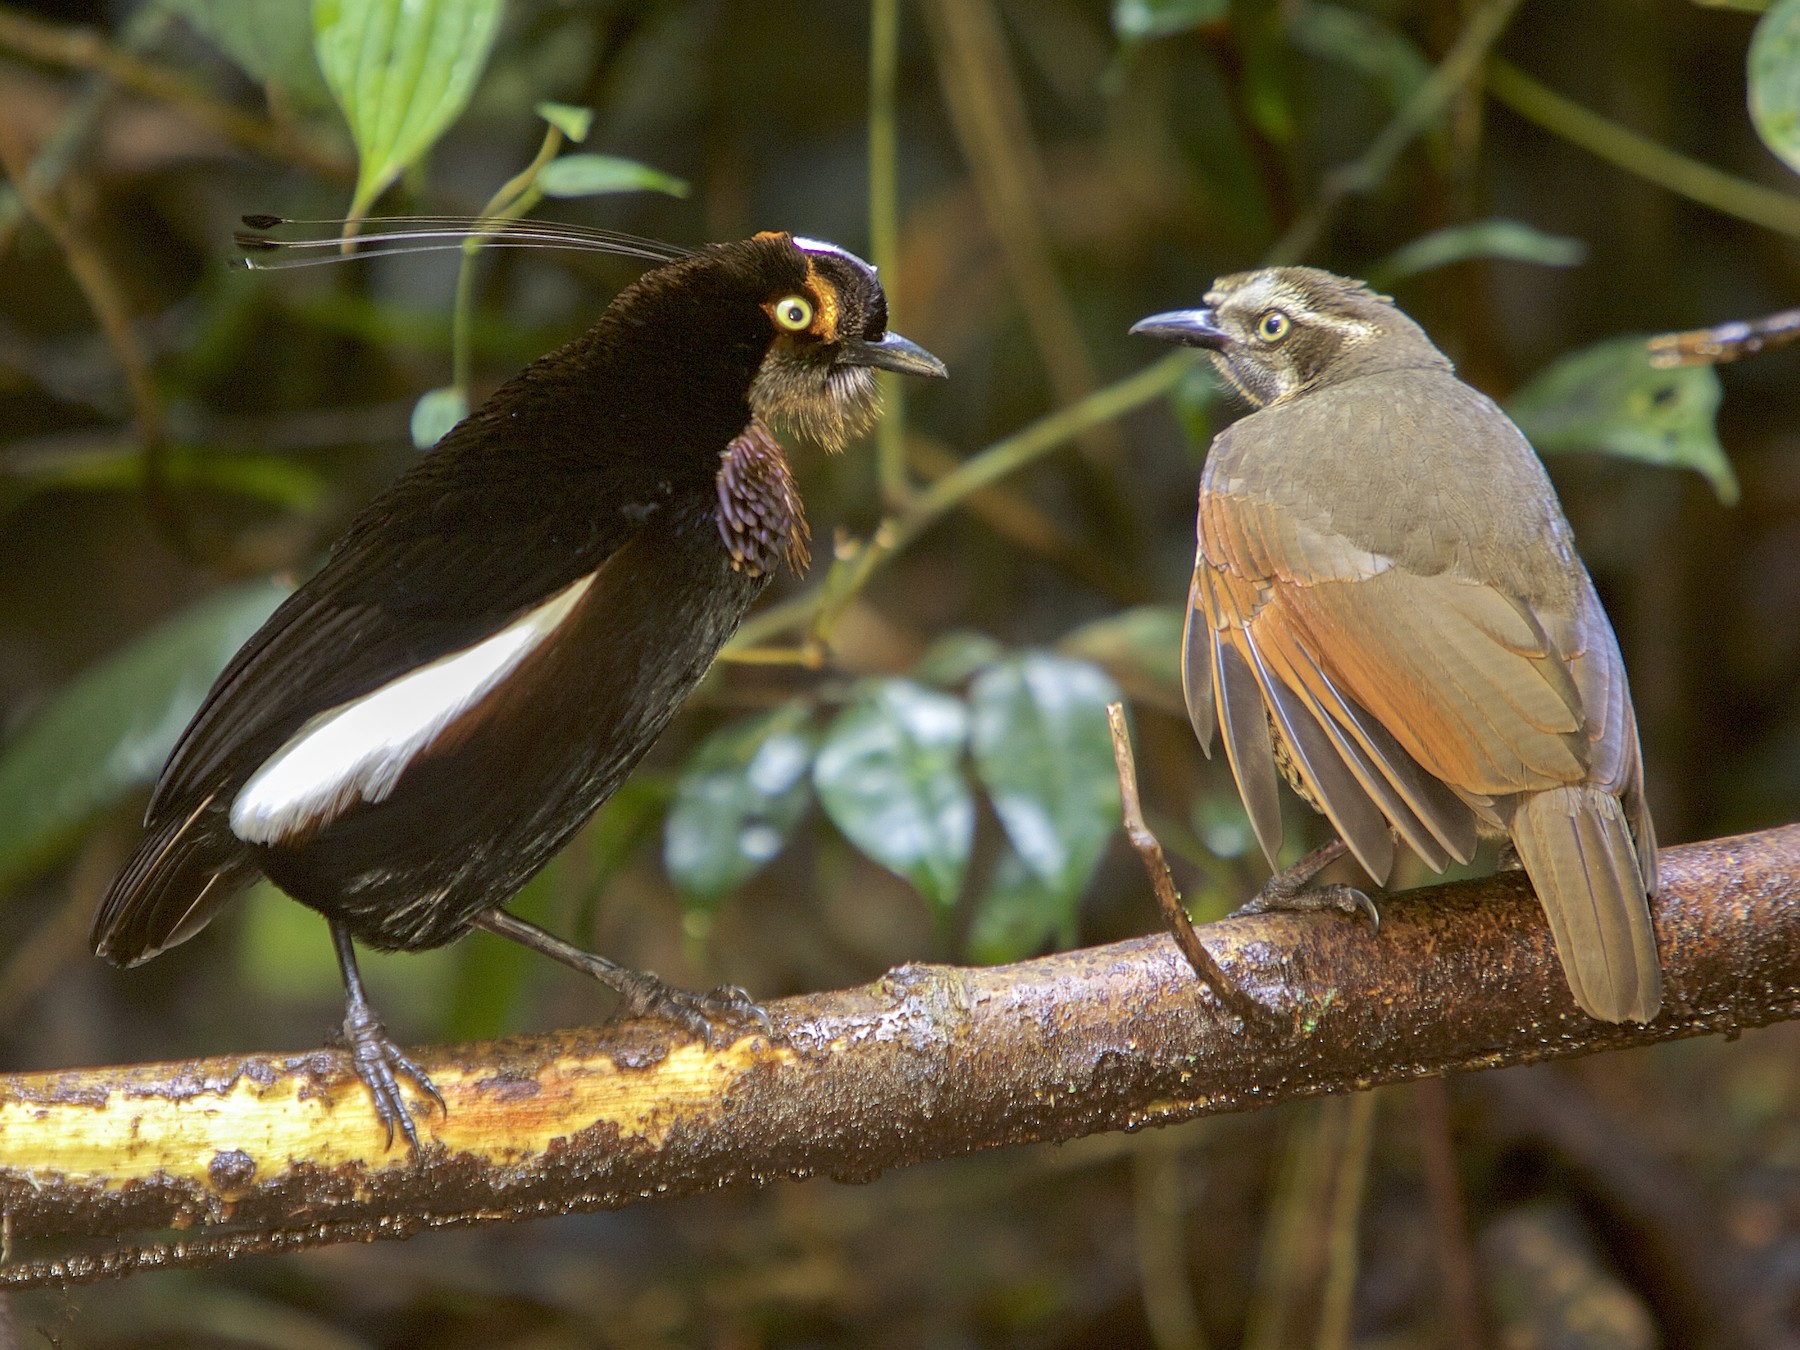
(1273,326)
(794,313)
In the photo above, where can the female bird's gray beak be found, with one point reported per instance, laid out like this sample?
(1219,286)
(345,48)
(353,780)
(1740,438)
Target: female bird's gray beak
(893,352)
(1188,327)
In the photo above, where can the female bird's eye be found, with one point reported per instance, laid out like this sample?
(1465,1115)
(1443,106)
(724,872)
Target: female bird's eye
(1273,326)
(794,313)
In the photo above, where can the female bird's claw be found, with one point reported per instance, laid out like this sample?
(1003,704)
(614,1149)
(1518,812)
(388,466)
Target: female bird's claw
(1275,896)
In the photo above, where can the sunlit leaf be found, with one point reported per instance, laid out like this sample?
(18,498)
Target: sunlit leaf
(1512,240)
(1135,20)
(889,775)
(954,657)
(435,413)
(1609,398)
(271,41)
(572,121)
(1019,914)
(1775,80)
(110,730)
(737,802)
(594,175)
(402,71)
(1138,647)
(1375,50)
(1044,753)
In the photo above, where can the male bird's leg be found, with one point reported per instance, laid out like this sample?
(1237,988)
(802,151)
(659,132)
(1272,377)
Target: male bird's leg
(1292,888)
(378,1061)
(713,1018)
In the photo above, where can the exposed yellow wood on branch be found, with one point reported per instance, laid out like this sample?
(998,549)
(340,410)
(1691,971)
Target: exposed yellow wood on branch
(264,1153)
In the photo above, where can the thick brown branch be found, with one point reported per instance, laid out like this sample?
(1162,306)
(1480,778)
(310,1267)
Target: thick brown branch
(273,1153)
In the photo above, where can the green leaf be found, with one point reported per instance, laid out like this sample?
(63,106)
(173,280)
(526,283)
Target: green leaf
(1140,648)
(1044,753)
(120,468)
(1775,80)
(1609,398)
(1019,915)
(955,656)
(435,413)
(1136,20)
(595,175)
(889,775)
(738,801)
(271,41)
(402,71)
(110,730)
(1362,43)
(573,122)
(1196,401)
(1493,238)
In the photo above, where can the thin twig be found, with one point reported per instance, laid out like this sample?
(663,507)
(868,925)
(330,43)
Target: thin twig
(1337,1300)
(84,49)
(1150,851)
(884,237)
(1461,64)
(987,111)
(1535,102)
(1456,1260)
(1726,341)
(1159,1226)
(104,295)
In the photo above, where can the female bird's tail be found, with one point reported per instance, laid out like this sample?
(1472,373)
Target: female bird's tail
(1580,856)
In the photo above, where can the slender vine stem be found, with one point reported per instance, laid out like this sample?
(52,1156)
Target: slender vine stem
(1618,145)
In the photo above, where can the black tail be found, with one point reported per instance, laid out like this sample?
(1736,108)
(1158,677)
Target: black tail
(184,870)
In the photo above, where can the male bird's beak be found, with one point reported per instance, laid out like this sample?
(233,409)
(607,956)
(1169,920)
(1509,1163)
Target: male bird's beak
(892,352)
(1188,327)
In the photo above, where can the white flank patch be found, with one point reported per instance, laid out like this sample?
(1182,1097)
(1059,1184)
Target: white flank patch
(357,751)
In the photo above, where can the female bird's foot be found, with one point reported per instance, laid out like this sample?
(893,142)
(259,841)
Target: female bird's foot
(715,1019)
(1292,889)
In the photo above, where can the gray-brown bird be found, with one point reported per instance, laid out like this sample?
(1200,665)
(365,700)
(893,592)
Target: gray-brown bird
(1387,605)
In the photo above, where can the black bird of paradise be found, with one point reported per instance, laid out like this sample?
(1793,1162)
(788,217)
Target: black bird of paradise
(498,638)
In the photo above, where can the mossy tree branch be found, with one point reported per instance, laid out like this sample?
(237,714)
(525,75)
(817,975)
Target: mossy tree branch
(269,1153)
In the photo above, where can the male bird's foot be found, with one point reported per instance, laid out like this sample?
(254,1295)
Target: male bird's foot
(716,1019)
(381,1065)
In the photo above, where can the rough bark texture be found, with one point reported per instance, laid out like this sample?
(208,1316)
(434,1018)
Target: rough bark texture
(269,1152)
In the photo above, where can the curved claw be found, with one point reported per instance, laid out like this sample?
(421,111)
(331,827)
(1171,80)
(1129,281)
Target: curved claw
(715,1019)
(381,1064)
(1275,896)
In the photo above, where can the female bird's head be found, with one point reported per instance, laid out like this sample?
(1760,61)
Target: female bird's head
(1282,331)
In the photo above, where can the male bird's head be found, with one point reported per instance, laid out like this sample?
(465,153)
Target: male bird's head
(827,333)
(1283,331)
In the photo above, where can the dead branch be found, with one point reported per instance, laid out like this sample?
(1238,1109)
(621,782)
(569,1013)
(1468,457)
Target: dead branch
(270,1152)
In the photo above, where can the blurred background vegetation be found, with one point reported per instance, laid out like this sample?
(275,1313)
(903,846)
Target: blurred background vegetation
(179,439)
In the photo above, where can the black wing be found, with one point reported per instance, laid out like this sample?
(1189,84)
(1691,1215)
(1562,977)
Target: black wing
(450,554)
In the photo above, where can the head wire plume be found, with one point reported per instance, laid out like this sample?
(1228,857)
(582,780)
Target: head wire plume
(389,235)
